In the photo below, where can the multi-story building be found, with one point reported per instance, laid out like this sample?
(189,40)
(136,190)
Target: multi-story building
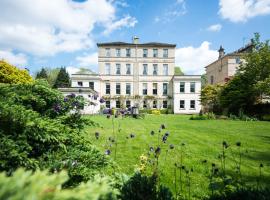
(142,75)
(225,67)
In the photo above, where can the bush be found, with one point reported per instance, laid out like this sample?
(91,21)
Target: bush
(42,186)
(201,116)
(140,187)
(38,131)
(156,112)
(243,193)
(266,117)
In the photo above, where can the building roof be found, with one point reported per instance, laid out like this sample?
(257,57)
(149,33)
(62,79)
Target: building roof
(149,44)
(238,52)
(77,90)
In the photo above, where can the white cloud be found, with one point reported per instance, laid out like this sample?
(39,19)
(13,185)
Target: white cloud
(215,28)
(192,60)
(44,28)
(72,70)
(127,21)
(88,60)
(18,59)
(173,11)
(242,10)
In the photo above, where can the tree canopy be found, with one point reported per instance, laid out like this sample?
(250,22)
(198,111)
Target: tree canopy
(13,75)
(178,71)
(42,74)
(62,79)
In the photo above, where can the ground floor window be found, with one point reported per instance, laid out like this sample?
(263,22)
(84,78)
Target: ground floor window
(117,104)
(154,104)
(144,104)
(127,103)
(165,104)
(192,104)
(182,104)
(108,104)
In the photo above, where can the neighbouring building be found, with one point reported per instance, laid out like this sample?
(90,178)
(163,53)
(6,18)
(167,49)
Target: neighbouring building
(141,74)
(225,67)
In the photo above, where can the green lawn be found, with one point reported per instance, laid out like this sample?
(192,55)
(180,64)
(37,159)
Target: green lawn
(203,141)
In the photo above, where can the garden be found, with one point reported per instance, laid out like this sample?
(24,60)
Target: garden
(239,149)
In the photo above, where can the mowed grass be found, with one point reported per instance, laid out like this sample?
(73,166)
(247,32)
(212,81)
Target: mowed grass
(203,141)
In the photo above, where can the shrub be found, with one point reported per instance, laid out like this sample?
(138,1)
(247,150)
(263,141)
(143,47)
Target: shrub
(140,187)
(156,112)
(266,117)
(42,186)
(242,193)
(38,131)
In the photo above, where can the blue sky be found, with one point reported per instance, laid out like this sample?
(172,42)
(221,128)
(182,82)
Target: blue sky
(43,33)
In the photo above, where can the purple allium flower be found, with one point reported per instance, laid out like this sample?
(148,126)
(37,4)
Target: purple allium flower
(72,95)
(164,138)
(171,146)
(225,144)
(97,135)
(132,135)
(107,152)
(65,99)
(101,100)
(167,134)
(204,161)
(151,148)
(152,132)
(238,144)
(108,116)
(158,150)
(57,108)
(162,126)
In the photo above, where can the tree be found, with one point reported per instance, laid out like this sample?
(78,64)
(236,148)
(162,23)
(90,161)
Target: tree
(248,85)
(210,97)
(42,74)
(62,79)
(178,71)
(12,75)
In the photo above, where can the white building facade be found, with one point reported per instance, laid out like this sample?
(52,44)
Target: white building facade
(142,75)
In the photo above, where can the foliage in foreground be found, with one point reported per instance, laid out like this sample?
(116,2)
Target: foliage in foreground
(140,187)
(12,75)
(42,185)
(40,129)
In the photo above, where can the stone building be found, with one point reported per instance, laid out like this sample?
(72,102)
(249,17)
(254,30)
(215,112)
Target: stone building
(142,75)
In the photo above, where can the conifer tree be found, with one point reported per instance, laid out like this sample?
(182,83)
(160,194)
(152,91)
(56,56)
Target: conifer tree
(62,79)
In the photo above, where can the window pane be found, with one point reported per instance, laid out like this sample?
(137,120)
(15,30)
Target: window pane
(192,104)
(128,88)
(192,87)
(165,53)
(127,103)
(144,88)
(165,104)
(118,52)
(108,53)
(118,88)
(182,104)
(165,69)
(118,104)
(91,85)
(128,68)
(145,53)
(154,104)
(155,69)
(108,104)
(80,83)
(165,88)
(155,53)
(154,88)
(108,88)
(107,68)
(118,69)
(145,69)
(182,87)
(127,52)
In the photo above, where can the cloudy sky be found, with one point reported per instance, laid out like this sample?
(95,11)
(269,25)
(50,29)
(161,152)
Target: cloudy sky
(54,33)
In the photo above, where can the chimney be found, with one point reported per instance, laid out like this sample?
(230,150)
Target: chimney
(221,52)
(135,40)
